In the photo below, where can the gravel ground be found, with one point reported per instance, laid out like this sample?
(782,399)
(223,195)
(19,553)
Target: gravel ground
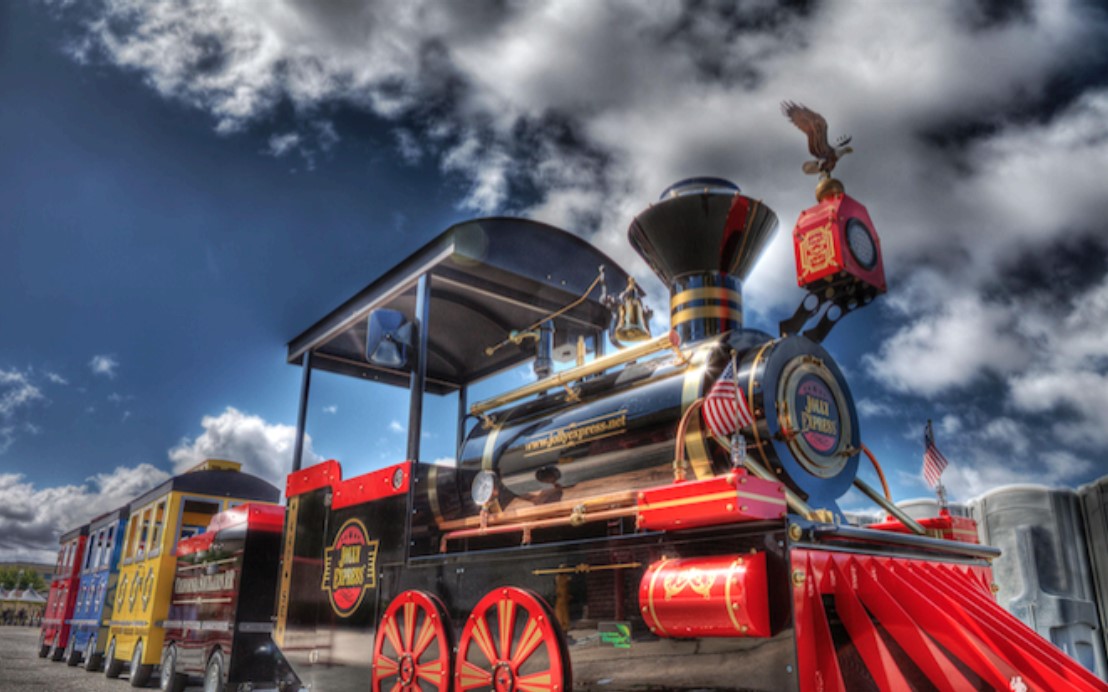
(21,670)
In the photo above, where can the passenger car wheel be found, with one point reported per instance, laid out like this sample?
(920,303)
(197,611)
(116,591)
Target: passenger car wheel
(92,659)
(213,676)
(169,680)
(112,665)
(140,674)
(72,655)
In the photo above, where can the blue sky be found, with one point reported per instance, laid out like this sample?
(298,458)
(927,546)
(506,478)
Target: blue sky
(184,187)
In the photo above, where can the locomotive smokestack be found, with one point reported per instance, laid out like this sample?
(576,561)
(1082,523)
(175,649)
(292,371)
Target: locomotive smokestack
(702,239)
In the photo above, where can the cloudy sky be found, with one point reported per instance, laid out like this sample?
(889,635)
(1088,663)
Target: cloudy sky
(185,186)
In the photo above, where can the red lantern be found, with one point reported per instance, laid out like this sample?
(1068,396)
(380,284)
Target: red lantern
(835,242)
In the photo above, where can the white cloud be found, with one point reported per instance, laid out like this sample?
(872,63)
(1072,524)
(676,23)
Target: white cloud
(943,349)
(16,392)
(7,437)
(874,408)
(332,409)
(1006,433)
(265,449)
(103,365)
(317,137)
(950,425)
(32,517)
(395,426)
(598,106)
(983,469)
(279,145)
(55,378)
(408,146)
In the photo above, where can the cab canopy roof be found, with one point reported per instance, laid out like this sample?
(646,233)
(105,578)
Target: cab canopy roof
(487,278)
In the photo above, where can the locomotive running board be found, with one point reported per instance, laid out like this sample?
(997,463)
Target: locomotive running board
(896,623)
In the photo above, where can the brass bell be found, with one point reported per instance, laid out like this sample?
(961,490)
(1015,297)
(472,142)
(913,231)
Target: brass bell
(631,324)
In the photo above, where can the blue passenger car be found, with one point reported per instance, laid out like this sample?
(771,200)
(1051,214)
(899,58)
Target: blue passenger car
(96,593)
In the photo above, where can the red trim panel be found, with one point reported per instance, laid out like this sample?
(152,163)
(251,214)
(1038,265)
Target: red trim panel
(375,485)
(728,499)
(257,517)
(323,475)
(952,528)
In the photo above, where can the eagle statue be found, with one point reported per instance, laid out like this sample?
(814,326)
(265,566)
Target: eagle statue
(814,125)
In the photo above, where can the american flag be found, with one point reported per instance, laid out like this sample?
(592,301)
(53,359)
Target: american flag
(725,406)
(933,460)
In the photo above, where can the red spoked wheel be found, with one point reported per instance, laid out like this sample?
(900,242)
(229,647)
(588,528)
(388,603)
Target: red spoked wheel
(412,652)
(512,643)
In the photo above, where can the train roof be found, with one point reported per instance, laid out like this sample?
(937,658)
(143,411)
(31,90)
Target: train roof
(109,517)
(488,277)
(74,533)
(217,483)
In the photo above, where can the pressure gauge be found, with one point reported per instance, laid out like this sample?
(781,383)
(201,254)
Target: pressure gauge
(398,478)
(484,488)
(861,242)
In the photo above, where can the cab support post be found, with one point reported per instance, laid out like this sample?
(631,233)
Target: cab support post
(302,414)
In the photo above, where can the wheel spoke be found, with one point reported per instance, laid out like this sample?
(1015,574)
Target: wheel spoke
(506,615)
(431,672)
(484,639)
(384,667)
(409,624)
(393,635)
(397,687)
(536,682)
(426,636)
(471,676)
(528,642)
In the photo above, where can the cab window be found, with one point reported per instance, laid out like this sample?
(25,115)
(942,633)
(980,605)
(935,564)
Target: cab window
(195,517)
(132,534)
(92,551)
(144,534)
(109,545)
(158,530)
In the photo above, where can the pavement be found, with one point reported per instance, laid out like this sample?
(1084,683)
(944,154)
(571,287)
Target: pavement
(21,670)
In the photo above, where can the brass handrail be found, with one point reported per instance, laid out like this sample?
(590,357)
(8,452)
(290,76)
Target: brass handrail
(565,377)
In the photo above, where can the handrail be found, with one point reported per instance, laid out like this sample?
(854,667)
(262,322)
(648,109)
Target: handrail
(565,377)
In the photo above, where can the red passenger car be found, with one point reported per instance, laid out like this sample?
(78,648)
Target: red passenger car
(63,594)
(219,624)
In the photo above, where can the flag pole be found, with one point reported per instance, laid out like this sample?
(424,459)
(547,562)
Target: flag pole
(934,463)
(738,441)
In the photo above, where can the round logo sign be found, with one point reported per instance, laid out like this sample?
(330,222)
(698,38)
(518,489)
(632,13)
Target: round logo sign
(349,567)
(818,414)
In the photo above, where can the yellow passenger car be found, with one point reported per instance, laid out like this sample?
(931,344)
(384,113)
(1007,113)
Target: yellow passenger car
(179,508)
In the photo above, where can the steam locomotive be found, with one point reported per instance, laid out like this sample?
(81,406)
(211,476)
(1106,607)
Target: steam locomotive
(663,515)
(595,531)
